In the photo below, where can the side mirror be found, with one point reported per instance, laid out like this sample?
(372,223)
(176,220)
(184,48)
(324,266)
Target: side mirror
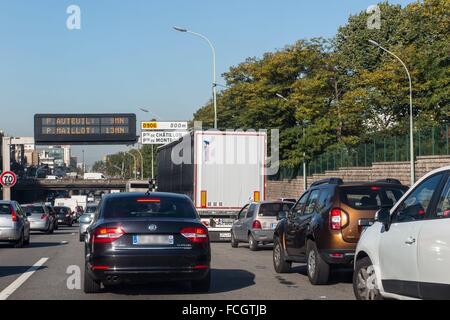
(384,216)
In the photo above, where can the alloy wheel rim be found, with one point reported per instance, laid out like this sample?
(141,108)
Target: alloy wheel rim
(367,283)
(312,263)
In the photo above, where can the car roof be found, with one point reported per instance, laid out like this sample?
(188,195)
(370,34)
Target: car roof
(124,195)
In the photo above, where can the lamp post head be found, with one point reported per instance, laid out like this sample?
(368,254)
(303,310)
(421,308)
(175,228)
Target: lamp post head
(180,29)
(281,97)
(374,42)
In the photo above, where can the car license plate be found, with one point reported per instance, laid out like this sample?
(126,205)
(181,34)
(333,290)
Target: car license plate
(142,240)
(274,225)
(225,235)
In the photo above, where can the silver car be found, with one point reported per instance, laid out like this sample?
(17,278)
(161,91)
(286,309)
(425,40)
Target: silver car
(257,221)
(41,219)
(86,219)
(14,224)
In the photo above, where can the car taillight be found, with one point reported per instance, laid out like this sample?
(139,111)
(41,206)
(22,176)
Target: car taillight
(256,224)
(338,219)
(195,234)
(44,217)
(107,235)
(13,214)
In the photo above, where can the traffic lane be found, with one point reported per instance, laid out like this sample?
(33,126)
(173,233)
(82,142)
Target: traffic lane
(236,274)
(16,261)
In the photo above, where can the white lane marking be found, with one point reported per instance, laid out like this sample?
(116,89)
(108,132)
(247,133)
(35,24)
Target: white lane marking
(21,280)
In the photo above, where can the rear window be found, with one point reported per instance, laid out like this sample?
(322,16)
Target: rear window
(61,210)
(91,209)
(148,207)
(273,209)
(370,198)
(4,209)
(33,209)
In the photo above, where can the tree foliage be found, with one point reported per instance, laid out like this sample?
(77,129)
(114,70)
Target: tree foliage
(344,90)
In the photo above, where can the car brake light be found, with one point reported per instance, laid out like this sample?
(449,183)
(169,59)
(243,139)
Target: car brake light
(145,200)
(13,214)
(44,217)
(99,268)
(338,219)
(195,234)
(375,188)
(107,235)
(201,267)
(256,224)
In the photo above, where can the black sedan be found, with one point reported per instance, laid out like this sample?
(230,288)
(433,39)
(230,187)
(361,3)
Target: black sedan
(139,238)
(64,215)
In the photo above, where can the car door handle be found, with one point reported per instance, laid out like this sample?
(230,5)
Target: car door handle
(410,241)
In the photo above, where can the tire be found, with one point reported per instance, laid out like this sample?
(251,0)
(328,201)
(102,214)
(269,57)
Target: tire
(234,242)
(203,285)
(365,281)
(318,269)
(252,243)
(90,285)
(19,243)
(279,260)
(27,241)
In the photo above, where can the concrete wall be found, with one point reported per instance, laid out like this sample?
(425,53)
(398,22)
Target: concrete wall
(398,170)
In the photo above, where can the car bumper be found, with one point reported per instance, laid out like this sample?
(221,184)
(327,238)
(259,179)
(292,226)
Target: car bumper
(219,234)
(338,257)
(155,266)
(39,225)
(66,220)
(7,235)
(263,235)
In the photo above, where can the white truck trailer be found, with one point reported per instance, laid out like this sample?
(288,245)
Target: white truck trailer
(226,171)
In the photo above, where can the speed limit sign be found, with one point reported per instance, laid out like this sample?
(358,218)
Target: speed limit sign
(8,179)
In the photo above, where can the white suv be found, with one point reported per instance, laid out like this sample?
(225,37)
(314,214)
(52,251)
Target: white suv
(406,253)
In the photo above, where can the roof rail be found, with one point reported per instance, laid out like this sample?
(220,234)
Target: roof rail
(389,180)
(328,181)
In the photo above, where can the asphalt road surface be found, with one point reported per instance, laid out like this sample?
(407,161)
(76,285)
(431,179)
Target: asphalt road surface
(39,271)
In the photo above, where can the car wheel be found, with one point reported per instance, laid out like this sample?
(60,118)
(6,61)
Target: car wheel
(90,285)
(203,285)
(365,284)
(279,261)
(318,269)
(27,240)
(234,242)
(20,242)
(253,244)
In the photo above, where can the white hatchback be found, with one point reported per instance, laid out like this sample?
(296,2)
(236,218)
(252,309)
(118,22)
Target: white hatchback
(406,253)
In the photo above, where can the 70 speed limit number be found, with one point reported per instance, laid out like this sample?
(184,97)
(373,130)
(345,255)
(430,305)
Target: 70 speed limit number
(8,179)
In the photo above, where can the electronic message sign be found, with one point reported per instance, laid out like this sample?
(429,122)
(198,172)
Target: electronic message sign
(85,129)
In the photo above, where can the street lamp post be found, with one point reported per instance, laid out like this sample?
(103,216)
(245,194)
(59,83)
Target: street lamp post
(305,177)
(411,118)
(153,160)
(214,68)
(142,162)
(135,166)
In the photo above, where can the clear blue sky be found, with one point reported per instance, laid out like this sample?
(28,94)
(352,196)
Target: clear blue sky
(126,55)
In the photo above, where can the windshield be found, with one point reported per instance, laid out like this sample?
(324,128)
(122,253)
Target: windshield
(273,209)
(154,207)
